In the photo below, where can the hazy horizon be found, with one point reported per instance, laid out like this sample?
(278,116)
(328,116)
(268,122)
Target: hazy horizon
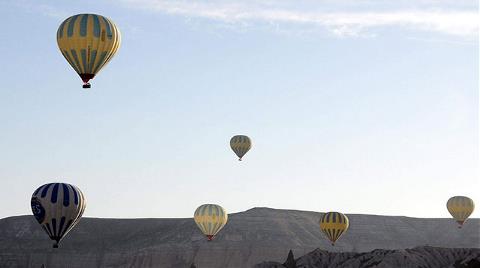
(238,212)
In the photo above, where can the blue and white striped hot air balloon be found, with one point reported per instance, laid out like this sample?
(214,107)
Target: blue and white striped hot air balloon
(57,207)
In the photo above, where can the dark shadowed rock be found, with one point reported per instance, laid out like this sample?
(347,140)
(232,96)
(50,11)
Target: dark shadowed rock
(290,262)
(250,237)
(424,257)
(473,263)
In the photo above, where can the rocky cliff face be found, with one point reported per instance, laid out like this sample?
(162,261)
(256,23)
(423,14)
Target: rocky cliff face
(423,257)
(249,238)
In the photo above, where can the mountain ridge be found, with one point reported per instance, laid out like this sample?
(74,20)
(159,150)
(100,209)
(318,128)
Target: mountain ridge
(250,237)
(254,209)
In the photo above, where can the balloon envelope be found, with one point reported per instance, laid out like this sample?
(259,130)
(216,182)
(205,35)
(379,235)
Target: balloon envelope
(210,218)
(57,207)
(460,207)
(333,225)
(88,42)
(240,144)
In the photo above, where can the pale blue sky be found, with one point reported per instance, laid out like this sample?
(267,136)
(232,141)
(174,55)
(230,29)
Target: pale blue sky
(356,106)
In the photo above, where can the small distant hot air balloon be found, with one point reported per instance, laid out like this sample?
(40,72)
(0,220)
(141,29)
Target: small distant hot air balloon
(333,225)
(57,207)
(240,144)
(460,207)
(210,218)
(88,42)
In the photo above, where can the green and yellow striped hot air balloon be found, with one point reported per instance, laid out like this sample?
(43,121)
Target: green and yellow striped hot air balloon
(460,207)
(88,42)
(240,144)
(333,225)
(210,218)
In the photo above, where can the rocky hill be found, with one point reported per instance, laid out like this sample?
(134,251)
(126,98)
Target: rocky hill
(424,257)
(249,238)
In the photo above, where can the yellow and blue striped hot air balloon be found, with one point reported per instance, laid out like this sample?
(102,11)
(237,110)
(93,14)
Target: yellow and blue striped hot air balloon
(88,42)
(460,207)
(210,218)
(57,207)
(333,225)
(240,144)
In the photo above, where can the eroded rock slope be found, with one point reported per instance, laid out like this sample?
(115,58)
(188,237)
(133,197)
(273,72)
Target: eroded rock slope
(420,257)
(249,238)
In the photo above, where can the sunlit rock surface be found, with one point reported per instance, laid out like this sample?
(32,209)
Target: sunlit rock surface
(250,237)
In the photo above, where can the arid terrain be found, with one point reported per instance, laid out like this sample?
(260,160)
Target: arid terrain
(250,238)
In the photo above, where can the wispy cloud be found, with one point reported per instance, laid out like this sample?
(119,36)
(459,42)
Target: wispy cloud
(40,8)
(342,18)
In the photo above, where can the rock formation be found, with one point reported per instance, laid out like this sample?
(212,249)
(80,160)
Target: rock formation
(249,238)
(290,262)
(424,257)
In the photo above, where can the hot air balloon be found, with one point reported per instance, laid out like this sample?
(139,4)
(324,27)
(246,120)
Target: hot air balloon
(210,218)
(333,225)
(88,42)
(57,208)
(460,207)
(240,144)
